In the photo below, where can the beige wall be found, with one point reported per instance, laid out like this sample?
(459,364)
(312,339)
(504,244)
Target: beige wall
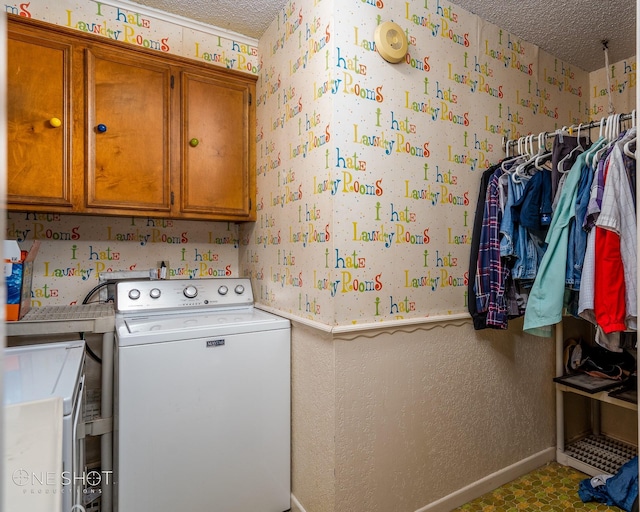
(313,399)
(417,413)
(389,417)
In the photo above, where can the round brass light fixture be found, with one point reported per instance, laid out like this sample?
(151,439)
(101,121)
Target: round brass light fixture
(391,42)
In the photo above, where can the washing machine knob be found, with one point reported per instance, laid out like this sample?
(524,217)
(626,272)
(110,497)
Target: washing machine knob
(190,292)
(134,294)
(239,289)
(155,293)
(223,290)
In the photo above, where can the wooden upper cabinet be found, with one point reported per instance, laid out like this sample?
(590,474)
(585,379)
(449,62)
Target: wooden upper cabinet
(216,130)
(128,133)
(39,121)
(101,127)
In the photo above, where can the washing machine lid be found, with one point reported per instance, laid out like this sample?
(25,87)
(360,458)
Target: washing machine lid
(158,328)
(36,372)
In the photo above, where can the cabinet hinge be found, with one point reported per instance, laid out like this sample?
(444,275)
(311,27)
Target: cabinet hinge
(250,98)
(172,198)
(173,81)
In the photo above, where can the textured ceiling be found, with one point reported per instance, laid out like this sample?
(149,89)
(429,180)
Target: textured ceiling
(248,17)
(571,31)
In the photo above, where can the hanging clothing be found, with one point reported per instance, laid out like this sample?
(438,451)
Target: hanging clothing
(545,256)
(617,250)
(610,285)
(563,150)
(491,274)
(577,234)
(545,305)
(609,289)
(597,190)
(517,249)
(479,318)
(630,166)
(532,212)
(586,293)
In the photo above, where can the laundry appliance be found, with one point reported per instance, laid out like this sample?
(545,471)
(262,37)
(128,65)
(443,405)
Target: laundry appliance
(202,398)
(34,374)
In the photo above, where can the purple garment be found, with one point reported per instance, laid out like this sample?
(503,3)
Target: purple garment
(630,166)
(593,209)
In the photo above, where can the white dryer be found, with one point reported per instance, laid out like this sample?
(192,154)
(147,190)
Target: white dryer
(36,373)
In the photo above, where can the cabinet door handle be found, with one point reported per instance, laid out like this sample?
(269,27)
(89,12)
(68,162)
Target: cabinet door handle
(101,128)
(194,142)
(55,122)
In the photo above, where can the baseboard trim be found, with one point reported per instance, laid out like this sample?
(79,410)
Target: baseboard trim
(490,482)
(295,502)
(482,486)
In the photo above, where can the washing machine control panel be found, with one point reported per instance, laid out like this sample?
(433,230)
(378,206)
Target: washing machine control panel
(175,294)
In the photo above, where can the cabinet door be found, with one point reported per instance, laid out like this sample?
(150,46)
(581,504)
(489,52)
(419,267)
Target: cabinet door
(216,158)
(39,121)
(128,112)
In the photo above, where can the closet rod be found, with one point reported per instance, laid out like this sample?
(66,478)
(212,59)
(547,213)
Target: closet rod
(506,144)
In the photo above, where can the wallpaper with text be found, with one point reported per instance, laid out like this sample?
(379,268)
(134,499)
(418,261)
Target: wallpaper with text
(367,171)
(367,203)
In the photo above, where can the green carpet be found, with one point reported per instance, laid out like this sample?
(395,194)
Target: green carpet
(551,488)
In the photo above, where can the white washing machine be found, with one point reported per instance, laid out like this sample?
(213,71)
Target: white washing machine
(202,399)
(38,372)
